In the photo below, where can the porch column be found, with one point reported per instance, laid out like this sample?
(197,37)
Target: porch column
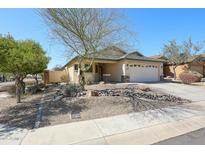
(93,72)
(123,69)
(93,66)
(125,77)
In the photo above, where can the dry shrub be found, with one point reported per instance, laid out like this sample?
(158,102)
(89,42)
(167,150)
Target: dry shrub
(71,90)
(190,77)
(64,78)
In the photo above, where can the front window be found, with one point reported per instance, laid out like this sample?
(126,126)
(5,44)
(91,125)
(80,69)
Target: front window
(76,67)
(90,69)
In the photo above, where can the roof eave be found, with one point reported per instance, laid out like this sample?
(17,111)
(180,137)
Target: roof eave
(70,61)
(144,60)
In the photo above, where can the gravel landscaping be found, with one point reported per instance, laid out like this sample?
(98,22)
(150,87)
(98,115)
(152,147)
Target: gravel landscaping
(103,100)
(63,105)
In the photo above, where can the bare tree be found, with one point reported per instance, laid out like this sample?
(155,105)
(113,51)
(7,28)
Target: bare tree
(57,68)
(86,31)
(177,54)
(191,48)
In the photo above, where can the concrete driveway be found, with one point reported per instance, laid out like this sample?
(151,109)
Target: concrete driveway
(194,93)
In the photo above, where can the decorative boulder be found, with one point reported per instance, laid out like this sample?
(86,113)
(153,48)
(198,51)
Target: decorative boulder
(94,93)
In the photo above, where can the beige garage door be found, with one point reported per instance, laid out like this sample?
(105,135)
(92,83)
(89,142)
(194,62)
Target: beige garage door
(143,73)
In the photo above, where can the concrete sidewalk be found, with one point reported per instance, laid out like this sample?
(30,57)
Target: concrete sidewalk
(136,128)
(11,135)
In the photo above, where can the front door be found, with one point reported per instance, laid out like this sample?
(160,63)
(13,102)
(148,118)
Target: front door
(203,71)
(100,72)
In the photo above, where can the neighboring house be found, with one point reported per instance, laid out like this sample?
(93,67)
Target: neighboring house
(161,57)
(116,65)
(196,63)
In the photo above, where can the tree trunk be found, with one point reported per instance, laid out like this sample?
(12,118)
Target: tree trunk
(82,79)
(174,68)
(81,76)
(36,78)
(23,86)
(3,78)
(18,90)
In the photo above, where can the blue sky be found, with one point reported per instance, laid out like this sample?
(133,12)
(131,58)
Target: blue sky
(154,27)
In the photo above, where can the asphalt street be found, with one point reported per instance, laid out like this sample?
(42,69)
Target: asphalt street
(193,138)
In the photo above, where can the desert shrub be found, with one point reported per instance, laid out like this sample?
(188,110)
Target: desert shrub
(88,82)
(190,77)
(72,90)
(35,89)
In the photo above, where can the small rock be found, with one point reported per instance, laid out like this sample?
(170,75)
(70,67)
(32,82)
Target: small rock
(57,98)
(146,89)
(101,82)
(75,115)
(93,93)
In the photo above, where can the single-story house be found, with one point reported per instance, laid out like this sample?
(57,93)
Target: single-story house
(116,65)
(196,63)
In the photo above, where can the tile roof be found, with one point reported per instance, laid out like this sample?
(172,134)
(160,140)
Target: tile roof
(131,56)
(116,54)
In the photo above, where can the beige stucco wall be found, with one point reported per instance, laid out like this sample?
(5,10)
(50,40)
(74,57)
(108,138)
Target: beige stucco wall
(73,74)
(161,70)
(116,69)
(197,68)
(179,69)
(58,76)
(90,77)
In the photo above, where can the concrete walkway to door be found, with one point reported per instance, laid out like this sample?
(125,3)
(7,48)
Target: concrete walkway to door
(194,93)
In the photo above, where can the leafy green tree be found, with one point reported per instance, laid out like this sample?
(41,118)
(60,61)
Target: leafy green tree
(21,58)
(38,58)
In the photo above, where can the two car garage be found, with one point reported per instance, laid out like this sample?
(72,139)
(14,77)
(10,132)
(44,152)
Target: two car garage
(144,73)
